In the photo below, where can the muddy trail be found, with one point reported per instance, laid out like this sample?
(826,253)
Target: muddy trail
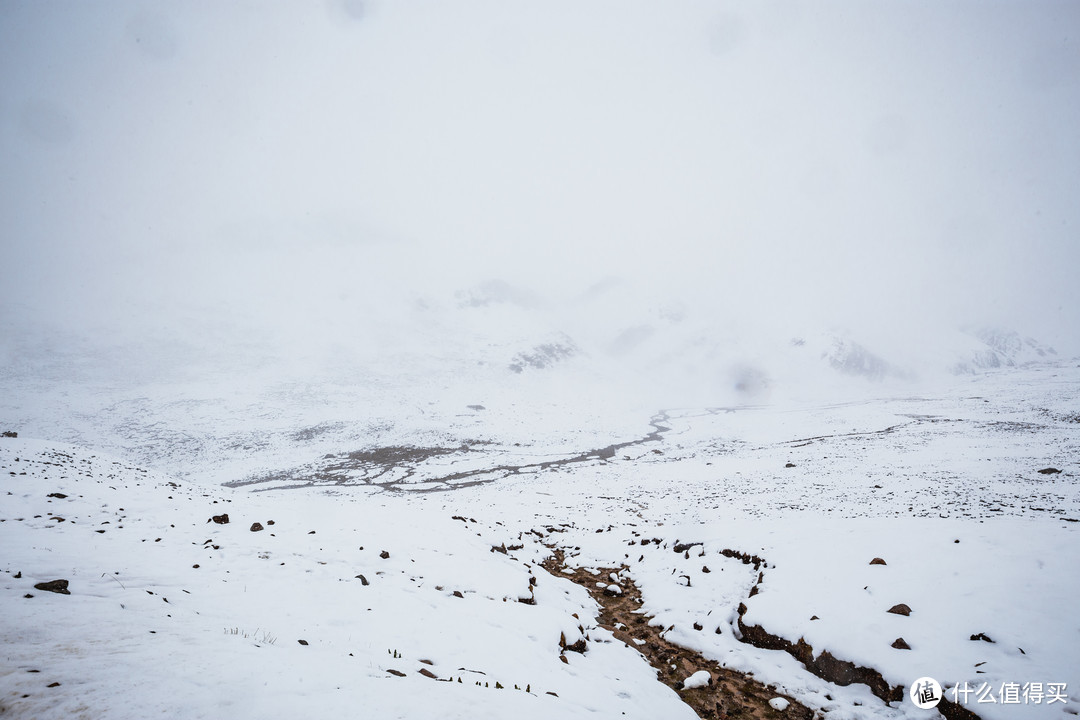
(729,694)
(402,467)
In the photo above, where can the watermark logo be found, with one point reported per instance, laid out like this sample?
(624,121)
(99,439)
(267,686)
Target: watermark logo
(925,693)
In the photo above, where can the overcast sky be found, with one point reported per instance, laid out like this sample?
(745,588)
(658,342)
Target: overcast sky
(857,162)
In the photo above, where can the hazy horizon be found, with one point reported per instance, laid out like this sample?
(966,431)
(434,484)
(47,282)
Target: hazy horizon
(302,173)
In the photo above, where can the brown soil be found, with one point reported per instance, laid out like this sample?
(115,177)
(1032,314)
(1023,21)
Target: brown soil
(731,694)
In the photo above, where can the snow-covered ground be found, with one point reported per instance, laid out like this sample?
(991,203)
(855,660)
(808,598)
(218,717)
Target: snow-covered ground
(172,614)
(442,288)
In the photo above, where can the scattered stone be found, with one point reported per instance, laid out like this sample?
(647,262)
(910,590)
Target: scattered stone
(56,586)
(900,609)
(18,575)
(384,555)
(256,527)
(814,617)
(395,673)
(981,636)
(10,434)
(427,673)
(579,646)
(705,569)
(302,642)
(698,626)
(54,684)
(878,561)
(57,495)
(28,595)
(363,580)
(1049,471)
(457,594)
(196,566)
(789,465)
(900,644)
(222,519)
(269,522)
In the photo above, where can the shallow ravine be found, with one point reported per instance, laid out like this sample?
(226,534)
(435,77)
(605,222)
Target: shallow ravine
(728,694)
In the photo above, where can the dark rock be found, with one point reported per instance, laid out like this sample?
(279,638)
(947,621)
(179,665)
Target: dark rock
(56,586)
(363,580)
(899,644)
(222,519)
(900,609)
(395,673)
(981,636)
(10,434)
(457,594)
(384,555)
(1049,471)
(427,673)
(814,617)
(28,595)
(17,575)
(53,684)
(578,647)
(256,527)
(302,642)
(705,569)
(269,522)
(788,465)
(698,626)
(59,495)
(822,664)
(878,561)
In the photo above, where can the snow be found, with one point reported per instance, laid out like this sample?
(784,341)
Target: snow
(976,542)
(430,291)
(699,679)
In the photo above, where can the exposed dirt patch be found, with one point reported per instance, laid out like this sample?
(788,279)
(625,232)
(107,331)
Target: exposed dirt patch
(730,694)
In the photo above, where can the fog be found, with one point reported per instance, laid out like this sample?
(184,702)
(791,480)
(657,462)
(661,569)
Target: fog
(252,178)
